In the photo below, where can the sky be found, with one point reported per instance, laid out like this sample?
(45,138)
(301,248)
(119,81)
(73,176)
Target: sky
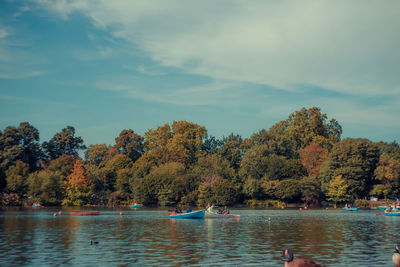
(231,66)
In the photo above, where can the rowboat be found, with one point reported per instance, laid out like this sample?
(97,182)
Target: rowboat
(84,213)
(392,213)
(219,215)
(134,206)
(350,209)
(382,207)
(199,214)
(36,205)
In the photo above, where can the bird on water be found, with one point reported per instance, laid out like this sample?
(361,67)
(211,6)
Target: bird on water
(396,256)
(93,242)
(298,262)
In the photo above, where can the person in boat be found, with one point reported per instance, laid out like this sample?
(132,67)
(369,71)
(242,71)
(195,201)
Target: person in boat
(389,209)
(210,208)
(226,210)
(189,209)
(174,211)
(219,211)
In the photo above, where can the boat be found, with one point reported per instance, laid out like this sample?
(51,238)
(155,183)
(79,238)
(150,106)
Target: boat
(36,205)
(134,206)
(84,213)
(382,207)
(392,213)
(198,214)
(350,209)
(220,215)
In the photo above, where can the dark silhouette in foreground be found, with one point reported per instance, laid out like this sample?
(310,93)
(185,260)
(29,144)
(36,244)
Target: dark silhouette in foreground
(396,256)
(298,262)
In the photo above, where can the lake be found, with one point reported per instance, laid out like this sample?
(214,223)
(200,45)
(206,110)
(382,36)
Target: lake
(149,237)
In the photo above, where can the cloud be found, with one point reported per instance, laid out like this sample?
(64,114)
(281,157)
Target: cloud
(349,47)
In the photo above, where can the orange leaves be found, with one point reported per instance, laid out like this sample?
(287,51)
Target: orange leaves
(312,157)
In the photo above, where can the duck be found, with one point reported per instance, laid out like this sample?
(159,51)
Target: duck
(93,242)
(298,262)
(396,257)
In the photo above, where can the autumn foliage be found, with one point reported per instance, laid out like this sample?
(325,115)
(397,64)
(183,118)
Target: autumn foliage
(312,157)
(77,186)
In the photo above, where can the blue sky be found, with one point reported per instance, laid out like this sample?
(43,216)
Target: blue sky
(231,66)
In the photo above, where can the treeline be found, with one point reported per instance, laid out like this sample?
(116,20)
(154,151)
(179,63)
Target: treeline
(300,159)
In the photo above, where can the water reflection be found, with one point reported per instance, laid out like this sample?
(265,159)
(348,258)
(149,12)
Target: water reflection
(150,237)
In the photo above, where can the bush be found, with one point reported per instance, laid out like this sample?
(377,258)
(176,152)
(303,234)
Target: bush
(362,203)
(252,203)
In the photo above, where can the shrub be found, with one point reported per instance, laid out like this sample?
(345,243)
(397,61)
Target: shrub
(362,203)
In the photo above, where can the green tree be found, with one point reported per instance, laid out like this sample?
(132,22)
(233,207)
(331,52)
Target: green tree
(216,190)
(16,178)
(46,187)
(253,189)
(62,143)
(22,144)
(310,190)
(270,189)
(355,160)
(130,144)
(288,190)
(232,150)
(96,154)
(211,145)
(387,173)
(302,127)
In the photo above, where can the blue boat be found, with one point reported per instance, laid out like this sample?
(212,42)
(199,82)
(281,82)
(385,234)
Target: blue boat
(382,207)
(134,206)
(392,213)
(350,209)
(199,214)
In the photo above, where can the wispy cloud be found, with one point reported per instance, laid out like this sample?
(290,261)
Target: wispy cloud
(346,46)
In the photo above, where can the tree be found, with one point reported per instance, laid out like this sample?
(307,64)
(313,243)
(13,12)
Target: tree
(232,150)
(130,144)
(312,157)
(96,154)
(302,127)
(211,145)
(213,164)
(355,160)
(288,190)
(270,189)
(47,186)
(16,178)
(310,190)
(216,190)
(387,172)
(182,142)
(22,144)
(78,187)
(337,191)
(253,189)
(62,143)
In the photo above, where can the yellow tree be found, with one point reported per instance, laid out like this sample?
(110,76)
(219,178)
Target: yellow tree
(78,187)
(337,191)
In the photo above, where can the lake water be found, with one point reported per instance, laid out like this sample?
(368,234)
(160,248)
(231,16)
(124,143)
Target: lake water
(149,237)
